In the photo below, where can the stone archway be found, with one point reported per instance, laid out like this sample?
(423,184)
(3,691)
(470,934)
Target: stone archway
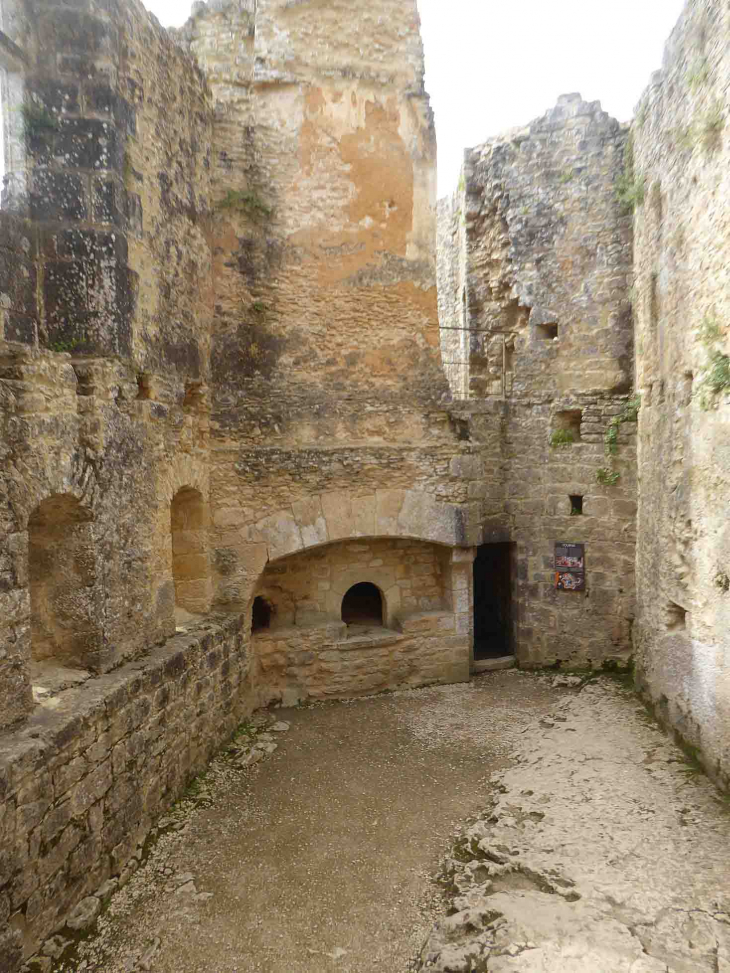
(419,631)
(363,604)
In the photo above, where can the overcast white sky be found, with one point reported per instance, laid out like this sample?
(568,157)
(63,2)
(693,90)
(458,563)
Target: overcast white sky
(494,64)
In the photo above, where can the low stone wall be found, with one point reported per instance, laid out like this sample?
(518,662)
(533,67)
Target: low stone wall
(84,780)
(322,662)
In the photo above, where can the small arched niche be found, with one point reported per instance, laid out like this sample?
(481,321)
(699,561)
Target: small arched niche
(363,605)
(64,595)
(260,615)
(190,567)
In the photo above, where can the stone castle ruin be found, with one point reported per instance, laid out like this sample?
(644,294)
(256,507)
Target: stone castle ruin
(248,456)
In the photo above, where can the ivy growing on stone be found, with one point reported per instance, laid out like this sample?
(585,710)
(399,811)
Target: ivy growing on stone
(562,437)
(629,413)
(607,476)
(630,185)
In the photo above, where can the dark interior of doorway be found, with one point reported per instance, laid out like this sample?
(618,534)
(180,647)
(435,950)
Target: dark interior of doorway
(493,601)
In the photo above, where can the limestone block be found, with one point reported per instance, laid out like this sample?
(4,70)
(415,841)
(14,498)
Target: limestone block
(388,507)
(311,519)
(280,532)
(427,622)
(251,560)
(365,516)
(337,509)
(463,623)
(229,517)
(194,595)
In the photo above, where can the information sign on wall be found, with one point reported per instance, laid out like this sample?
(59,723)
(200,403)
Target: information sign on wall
(570,567)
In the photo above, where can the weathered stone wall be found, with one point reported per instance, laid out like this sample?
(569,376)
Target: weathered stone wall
(325,361)
(118,435)
(90,772)
(309,651)
(682,307)
(308,588)
(221,349)
(546,258)
(451,277)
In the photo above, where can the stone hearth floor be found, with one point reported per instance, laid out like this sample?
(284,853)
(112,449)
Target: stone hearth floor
(513,824)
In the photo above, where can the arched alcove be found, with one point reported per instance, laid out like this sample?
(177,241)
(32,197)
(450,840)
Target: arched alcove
(190,567)
(64,595)
(363,605)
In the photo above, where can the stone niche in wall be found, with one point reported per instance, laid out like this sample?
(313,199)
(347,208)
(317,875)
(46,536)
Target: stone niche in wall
(357,617)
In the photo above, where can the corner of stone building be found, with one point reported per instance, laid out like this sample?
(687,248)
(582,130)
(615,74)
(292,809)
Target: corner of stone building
(536,334)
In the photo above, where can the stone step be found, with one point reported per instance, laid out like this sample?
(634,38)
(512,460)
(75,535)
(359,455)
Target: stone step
(491,665)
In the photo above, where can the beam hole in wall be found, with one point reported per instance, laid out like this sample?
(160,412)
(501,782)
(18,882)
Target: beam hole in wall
(546,332)
(84,380)
(675,617)
(144,386)
(565,427)
(194,399)
(190,568)
(260,615)
(362,605)
(64,624)
(576,504)
(509,353)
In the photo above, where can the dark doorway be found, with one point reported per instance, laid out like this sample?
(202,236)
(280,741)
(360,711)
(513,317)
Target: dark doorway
(363,605)
(493,601)
(260,615)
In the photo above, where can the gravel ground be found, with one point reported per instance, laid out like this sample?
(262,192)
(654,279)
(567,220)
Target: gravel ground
(322,855)
(524,822)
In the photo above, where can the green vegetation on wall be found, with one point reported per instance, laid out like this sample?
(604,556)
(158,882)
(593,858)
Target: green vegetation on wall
(716,377)
(630,185)
(246,201)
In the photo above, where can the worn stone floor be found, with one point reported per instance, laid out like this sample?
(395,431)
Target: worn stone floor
(516,823)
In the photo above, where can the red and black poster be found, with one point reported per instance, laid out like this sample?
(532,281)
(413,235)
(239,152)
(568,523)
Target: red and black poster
(570,567)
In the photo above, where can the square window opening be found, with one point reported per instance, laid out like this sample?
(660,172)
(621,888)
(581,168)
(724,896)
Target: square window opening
(565,427)
(546,332)
(576,504)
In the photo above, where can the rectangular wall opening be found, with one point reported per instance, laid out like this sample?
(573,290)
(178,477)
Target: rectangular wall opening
(576,504)
(546,332)
(565,427)
(493,601)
